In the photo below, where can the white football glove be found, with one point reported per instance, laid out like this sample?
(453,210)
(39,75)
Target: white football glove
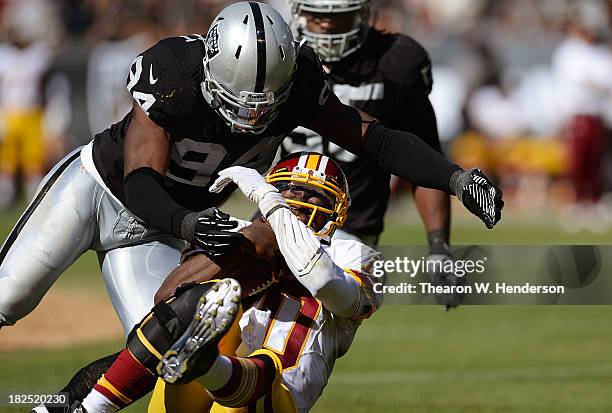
(252,185)
(297,243)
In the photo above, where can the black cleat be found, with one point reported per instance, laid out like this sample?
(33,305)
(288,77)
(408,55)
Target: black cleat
(196,350)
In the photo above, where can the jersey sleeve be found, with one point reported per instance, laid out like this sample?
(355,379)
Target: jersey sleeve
(357,263)
(158,84)
(311,87)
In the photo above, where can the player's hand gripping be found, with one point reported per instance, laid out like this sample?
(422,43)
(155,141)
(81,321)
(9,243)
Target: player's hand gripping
(253,185)
(479,195)
(209,230)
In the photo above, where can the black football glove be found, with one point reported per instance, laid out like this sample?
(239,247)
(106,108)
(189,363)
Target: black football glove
(441,277)
(439,254)
(479,195)
(210,231)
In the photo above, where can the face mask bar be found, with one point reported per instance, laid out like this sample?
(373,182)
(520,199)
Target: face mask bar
(333,47)
(337,215)
(314,210)
(248,112)
(334,6)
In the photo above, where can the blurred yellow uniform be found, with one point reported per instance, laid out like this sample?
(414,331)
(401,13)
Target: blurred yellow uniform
(21,144)
(21,108)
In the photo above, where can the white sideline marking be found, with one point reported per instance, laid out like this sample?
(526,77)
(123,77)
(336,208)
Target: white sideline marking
(400,377)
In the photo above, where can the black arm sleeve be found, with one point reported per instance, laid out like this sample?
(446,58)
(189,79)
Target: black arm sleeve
(407,156)
(146,197)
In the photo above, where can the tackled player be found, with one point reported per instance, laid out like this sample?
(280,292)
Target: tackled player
(291,333)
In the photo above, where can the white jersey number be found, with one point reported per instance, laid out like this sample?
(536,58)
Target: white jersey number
(195,163)
(145,100)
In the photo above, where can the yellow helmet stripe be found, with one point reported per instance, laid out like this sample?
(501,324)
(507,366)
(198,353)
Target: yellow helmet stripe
(313,161)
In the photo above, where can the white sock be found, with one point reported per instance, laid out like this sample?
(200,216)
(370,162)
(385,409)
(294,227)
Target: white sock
(96,402)
(217,375)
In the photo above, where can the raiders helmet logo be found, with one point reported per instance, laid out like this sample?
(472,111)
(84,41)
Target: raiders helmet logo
(212,42)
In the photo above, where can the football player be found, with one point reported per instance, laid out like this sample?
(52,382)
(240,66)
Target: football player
(291,335)
(387,76)
(201,104)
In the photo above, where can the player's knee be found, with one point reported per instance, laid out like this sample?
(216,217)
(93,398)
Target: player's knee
(168,320)
(16,301)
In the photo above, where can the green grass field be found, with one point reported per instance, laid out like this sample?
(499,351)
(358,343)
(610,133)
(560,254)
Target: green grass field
(524,359)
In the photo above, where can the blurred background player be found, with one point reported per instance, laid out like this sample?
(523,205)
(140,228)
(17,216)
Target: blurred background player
(387,76)
(583,68)
(25,62)
(108,101)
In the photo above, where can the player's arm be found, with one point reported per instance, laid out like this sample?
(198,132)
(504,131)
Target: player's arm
(433,205)
(197,265)
(400,153)
(337,290)
(407,156)
(147,152)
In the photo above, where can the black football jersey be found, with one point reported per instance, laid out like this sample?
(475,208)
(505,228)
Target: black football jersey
(165,81)
(389,77)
